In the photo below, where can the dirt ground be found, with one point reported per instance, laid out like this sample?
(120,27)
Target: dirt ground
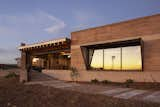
(15,94)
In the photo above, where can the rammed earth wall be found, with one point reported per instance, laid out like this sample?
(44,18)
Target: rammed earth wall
(147,28)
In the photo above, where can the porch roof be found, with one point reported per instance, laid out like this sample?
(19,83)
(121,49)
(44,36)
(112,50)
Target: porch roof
(54,42)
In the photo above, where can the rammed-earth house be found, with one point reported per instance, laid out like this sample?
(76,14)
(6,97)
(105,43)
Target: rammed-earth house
(115,52)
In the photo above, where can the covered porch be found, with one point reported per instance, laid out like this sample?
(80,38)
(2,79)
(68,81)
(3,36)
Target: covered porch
(52,60)
(48,55)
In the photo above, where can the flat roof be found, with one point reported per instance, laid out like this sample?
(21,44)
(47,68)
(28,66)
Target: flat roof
(44,43)
(117,23)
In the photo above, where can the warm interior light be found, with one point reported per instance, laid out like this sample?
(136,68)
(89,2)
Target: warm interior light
(35,60)
(62,53)
(65,53)
(68,56)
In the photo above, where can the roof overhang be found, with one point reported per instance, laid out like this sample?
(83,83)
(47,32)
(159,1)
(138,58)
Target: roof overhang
(122,43)
(45,44)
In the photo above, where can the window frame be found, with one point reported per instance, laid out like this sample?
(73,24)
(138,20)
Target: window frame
(126,43)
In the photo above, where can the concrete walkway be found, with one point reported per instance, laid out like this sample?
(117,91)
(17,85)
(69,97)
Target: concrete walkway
(117,92)
(38,76)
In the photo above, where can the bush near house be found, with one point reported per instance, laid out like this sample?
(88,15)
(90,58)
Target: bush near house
(74,74)
(128,82)
(106,81)
(95,81)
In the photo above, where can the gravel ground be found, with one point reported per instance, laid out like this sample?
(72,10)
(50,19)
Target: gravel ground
(15,94)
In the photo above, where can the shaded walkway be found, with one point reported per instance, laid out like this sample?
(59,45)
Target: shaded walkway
(38,76)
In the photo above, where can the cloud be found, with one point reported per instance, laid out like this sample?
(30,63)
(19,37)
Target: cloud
(26,27)
(38,20)
(57,26)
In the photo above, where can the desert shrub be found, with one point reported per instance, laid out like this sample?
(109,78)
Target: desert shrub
(128,82)
(105,81)
(94,81)
(11,75)
(74,73)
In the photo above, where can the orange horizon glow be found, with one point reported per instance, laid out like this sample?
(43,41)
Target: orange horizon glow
(131,58)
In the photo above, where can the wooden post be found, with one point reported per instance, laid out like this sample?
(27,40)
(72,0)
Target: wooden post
(23,73)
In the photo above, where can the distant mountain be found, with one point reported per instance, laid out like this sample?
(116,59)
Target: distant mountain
(8,66)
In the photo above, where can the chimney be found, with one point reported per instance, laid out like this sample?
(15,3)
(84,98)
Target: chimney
(23,44)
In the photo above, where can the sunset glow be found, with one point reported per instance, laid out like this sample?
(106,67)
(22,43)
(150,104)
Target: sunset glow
(131,58)
(113,60)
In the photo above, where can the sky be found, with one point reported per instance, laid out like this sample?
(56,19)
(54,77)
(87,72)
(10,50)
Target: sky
(31,21)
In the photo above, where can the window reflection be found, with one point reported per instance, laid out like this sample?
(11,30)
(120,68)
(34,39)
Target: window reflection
(123,58)
(131,58)
(97,59)
(112,59)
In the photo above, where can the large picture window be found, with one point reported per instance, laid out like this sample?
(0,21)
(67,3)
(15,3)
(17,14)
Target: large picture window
(121,58)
